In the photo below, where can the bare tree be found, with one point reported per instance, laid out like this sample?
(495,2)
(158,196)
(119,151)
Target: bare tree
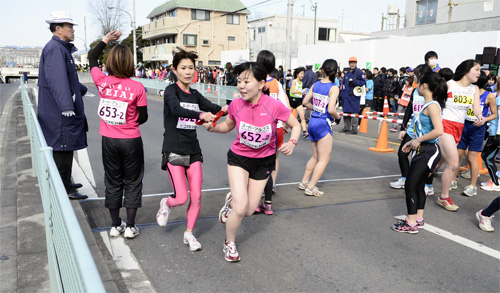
(107,19)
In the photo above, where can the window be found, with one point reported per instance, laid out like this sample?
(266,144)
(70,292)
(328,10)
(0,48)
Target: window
(252,34)
(190,40)
(233,19)
(262,29)
(231,38)
(200,14)
(326,34)
(172,13)
(205,42)
(426,12)
(213,62)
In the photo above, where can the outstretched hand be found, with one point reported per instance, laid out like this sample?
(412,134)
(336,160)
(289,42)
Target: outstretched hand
(112,36)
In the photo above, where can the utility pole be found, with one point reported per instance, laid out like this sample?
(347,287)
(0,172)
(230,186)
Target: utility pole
(85,32)
(288,49)
(315,9)
(134,32)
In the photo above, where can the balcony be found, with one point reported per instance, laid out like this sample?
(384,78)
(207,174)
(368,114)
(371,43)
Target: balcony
(161,52)
(163,27)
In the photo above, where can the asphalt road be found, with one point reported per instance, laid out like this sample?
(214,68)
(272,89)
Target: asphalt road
(340,242)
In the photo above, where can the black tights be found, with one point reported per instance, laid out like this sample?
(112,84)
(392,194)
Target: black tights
(116,220)
(488,155)
(268,190)
(404,163)
(414,185)
(492,208)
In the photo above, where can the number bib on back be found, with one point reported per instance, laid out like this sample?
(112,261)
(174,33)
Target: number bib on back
(253,136)
(112,112)
(320,102)
(188,123)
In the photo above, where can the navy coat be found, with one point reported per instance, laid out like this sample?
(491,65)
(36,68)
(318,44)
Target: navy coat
(349,100)
(58,87)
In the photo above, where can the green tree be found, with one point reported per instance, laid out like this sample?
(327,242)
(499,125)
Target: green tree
(105,53)
(129,42)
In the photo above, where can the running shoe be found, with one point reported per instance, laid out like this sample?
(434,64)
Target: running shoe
(313,192)
(117,230)
(429,190)
(230,252)
(447,203)
(398,184)
(226,209)
(420,224)
(305,134)
(163,212)
(465,174)
(490,187)
(484,222)
(469,190)
(303,185)
(393,129)
(403,226)
(131,232)
(487,182)
(266,208)
(274,188)
(190,240)
(454,185)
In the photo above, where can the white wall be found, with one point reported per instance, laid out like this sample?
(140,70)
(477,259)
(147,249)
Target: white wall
(396,52)
(233,56)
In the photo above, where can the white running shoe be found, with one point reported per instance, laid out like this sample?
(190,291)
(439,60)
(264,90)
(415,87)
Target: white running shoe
(429,191)
(469,190)
(116,231)
(230,252)
(484,222)
(398,184)
(465,174)
(487,182)
(226,209)
(163,212)
(190,240)
(453,185)
(131,232)
(490,187)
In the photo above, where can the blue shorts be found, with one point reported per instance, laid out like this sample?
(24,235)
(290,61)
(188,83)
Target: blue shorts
(472,137)
(319,128)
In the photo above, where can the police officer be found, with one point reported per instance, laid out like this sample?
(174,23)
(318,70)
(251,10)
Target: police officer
(353,78)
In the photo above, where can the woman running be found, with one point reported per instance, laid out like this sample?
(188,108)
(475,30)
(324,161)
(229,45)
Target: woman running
(122,108)
(296,93)
(426,153)
(252,156)
(182,157)
(473,136)
(322,99)
(491,149)
(462,96)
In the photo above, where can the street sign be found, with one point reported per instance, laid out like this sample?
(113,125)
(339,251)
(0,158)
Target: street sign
(368,66)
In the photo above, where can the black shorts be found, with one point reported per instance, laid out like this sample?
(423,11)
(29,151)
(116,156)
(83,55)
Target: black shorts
(430,152)
(257,168)
(295,102)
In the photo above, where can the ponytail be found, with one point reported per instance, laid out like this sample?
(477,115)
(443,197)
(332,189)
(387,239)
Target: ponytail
(437,85)
(330,68)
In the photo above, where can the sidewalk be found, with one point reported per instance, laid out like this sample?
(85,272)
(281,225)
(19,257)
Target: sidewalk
(23,247)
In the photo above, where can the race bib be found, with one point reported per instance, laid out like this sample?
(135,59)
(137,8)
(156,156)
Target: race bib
(253,136)
(462,102)
(470,114)
(320,102)
(273,95)
(112,112)
(188,123)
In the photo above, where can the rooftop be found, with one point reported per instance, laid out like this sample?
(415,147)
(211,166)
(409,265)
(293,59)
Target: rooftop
(214,5)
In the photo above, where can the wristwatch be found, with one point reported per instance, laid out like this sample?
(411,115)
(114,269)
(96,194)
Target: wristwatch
(294,141)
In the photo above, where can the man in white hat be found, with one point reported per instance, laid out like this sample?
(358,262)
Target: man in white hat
(60,105)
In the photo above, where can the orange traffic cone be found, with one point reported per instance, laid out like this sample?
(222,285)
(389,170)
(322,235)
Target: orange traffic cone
(363,126)
(216,91)
(294,113)
(198,86)
(381,146)
(209,90)
(480,164)
(465,168)
(386,107)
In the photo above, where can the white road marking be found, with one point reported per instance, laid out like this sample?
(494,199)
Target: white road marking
(84,161)
(89,95)
(458,239)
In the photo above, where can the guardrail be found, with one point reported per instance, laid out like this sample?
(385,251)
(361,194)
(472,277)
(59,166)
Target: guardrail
(71,266)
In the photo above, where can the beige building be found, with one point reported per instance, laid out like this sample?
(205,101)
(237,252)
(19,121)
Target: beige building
(205,26)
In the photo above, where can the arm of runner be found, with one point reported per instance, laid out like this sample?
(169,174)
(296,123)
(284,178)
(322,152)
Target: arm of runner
(491,102)
(292,89)
(434,112)
(288,147)
(306,102)
(408,114)
(476,106)
(223,127)
(334,93)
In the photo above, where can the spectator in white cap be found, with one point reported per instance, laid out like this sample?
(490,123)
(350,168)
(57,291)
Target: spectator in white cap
(60,105)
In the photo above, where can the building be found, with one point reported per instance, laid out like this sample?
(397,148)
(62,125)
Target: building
(20,56)
(269,33)
(433,17)
(205,26)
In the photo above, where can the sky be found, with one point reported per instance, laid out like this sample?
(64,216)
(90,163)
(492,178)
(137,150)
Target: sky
(23,22)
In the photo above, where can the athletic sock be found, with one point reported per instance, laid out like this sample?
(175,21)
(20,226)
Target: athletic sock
(420,219)
(131,213)
(115,217)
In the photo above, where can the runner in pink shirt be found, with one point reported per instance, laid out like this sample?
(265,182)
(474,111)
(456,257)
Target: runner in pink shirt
(252,156)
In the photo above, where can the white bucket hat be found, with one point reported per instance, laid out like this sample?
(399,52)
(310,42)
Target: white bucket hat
(60,17)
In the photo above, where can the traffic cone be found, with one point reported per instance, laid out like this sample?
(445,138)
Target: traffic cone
(294,113)
(480,164)
(209,90)
(381,146)
(386,107)
(363,126)
(216,91)
(465,168)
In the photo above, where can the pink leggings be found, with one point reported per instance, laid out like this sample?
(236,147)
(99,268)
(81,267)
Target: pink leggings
(194,175)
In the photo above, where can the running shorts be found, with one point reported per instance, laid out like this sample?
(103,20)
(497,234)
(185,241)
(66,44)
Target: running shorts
(295,102)
(453,128)
(319,128)
(472,137)
(257,168)
(430,152)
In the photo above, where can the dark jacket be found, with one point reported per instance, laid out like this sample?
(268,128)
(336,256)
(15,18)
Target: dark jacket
(391,87)
(59,91)
(309,79)
(379,85)
(349,100)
